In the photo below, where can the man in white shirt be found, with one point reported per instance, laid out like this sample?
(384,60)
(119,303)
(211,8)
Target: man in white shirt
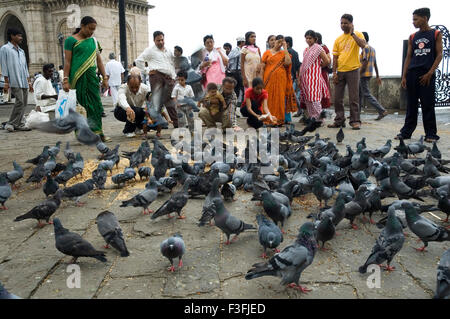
(162,75)
(44,93)
(114,70)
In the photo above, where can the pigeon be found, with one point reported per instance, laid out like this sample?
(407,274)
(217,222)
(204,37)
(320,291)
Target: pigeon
(429,170)
(50,165)
(44,210)
(144,171)
(337,212)
(55,149)
(72,244)
(444,206)
(51,186)
(443,277)
(402,190)
(340,136)
(5,294)
(99,176)
(106,165)
(13,176)
(175,203)
(291,261)
(119,179)
(172,248)
(227,223)
(438,181)
(402,148)
(388,244)
(64,125)
(166,183)
(362,143)
(325,231)
(274,209)
(435,151)
(130,173)
(270,236)
(320,191)
(66,175)
(356,206)
(38,173)
(228,191)
(383,150)
(415,183)
(109,228)
(310,127)
(44,155)
(144,198)
(417,147)
(58,168)
(109,154)
(78,190)
(424,228)
(103,149)
(5,191)
(69,153)
(78,165)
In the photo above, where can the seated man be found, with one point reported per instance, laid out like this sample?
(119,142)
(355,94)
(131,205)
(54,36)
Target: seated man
(130,108)
(227,115)
(44,92)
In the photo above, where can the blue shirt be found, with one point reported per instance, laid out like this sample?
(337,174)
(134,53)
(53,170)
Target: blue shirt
(234,60)
(14,66)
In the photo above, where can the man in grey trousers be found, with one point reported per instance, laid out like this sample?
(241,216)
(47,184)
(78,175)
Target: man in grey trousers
(15,71)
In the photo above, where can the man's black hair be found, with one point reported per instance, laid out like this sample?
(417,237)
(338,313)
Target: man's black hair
(207,37)
(423,12)
(13,31)
(61,67)
(366,36)
(348,17)
(211,86)
(157,34)
(47,66)
(178,48)
(229,80)
(182,74)
(228,45)
(289,41)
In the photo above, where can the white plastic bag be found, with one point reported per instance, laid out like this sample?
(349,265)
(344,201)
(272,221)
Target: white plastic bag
(66,101)
(36,117)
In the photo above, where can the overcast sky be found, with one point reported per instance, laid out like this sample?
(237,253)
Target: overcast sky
(388,22)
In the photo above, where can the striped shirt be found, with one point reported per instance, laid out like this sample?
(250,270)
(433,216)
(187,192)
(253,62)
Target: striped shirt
(368,54)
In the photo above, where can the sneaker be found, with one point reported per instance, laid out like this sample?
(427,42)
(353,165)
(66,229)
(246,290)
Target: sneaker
(9,127)
(131,134)
(22,128)
(382,115)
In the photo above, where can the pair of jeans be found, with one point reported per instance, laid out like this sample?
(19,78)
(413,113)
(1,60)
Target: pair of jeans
(121,115)
(162,87)
(426,94)
(16,117)
(185,114)
(351,79)
(364,92)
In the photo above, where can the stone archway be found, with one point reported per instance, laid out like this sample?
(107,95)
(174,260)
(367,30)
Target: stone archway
(12,21)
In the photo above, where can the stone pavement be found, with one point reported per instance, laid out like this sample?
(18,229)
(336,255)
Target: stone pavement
(31,267)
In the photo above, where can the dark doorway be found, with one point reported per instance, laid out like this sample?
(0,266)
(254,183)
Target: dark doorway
(11,21)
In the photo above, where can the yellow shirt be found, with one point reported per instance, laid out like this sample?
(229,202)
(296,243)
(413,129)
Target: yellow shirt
(347,50)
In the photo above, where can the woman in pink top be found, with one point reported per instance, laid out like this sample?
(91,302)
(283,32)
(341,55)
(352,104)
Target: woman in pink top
(214,62)
(250,59)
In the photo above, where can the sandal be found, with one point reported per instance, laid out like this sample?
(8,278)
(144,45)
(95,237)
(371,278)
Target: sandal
(430,140)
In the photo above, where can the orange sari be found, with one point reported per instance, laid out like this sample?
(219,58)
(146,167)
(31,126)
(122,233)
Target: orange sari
(278,84)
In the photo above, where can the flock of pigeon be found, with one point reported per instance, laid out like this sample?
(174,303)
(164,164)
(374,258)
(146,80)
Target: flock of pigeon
(307,164)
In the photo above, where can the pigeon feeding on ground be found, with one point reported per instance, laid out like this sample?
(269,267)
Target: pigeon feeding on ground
(66,175)
(388,244)
(5,191)
(119,179)
(402,190)
(424,228)
(277,210)
(106,165)
(44,155)
(175,203)
(340,135)
(321,191)
(44,210)
(227,223)
(71,122)
(99,176)
(228,191)
(78,165)
(325,230)
(443,277)
(444,206)
(291,261)
(38,173)
(51,186)
(109,228)
(144,198)
(172,248)
(13,176)
(144,171)
(270,236)
(383,150)
(78,190)
(72,244)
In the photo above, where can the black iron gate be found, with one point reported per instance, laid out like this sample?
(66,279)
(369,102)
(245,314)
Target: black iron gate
(443,71)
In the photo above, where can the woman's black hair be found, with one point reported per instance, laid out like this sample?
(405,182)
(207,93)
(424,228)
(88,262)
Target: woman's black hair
(247,38)
(257,81)
(85,21)
(268,38)
(207,37)
(311,34)
(319,38)
(279,37)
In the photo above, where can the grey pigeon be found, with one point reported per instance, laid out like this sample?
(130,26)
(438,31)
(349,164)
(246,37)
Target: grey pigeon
(444,206)
(325,231)
(228,191)
(443,277)
(435,152)
(383,150)
(50,165)
(69,153)
(175,203)
(5,191)
(119,179)
(208,209)
(78,165)
(438,181)
(356,206)
(424,228)
(102,148)
(321,191)
(388,244)
(227,223)
(144,198)
(44,210)
(276,210)
(291,261)
(66,175)
(14,175)
(402,190)
(99,176)
(43,155)
(340,135)
(108,226)
(417,147)
(72,244)
(51,186)
(5,294)
(130,173)
(144,171)
(429,170)
(64,125)
(106,165)
(55,149)
(77,191)
(270,236)
(172,248)
(38,173)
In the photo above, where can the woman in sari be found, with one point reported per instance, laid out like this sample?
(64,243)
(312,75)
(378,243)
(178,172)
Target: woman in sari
(312,83)
(82,57)
(250,59)
(276,67)
(214,62)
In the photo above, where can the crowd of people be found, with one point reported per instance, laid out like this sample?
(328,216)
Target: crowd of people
(268,88)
